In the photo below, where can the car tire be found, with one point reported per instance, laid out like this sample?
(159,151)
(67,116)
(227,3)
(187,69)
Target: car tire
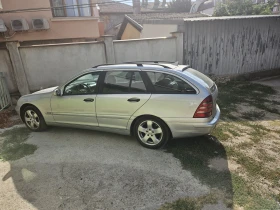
(33,119)
(151,132)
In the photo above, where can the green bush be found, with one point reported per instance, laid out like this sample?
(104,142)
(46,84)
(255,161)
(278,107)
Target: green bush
(243,7)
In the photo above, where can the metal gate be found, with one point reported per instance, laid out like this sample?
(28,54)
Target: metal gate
(5,98)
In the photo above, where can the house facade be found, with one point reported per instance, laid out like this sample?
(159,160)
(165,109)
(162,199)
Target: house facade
(60,19)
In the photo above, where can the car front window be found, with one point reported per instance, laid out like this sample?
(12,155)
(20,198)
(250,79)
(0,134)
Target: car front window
(85,84)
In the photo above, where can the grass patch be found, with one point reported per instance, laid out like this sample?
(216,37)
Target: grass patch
(233,93)
(245,145)
(13,146)
(191,203)
(253,167)
(253,115)
(220,132)
(233,133)
(244,196)
(263,156)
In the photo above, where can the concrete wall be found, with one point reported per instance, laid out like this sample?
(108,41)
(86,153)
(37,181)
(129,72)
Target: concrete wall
(232,45)
(157,30)
(52,65)
(7,68)
(158,49)
(60,28)
(130,32)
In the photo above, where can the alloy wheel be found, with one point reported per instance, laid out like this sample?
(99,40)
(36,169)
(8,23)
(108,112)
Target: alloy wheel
(150,132)
(32,119)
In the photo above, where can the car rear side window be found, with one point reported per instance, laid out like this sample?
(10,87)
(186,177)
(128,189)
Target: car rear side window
(121,82)
(166,83)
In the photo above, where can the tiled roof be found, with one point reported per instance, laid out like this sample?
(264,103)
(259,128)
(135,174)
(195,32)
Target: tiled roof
(117,7)
(140,18)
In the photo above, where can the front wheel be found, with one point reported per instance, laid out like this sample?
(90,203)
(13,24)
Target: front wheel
(151,132)
(33,119)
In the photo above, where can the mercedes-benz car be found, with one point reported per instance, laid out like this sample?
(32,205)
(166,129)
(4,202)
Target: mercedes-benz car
(153,101)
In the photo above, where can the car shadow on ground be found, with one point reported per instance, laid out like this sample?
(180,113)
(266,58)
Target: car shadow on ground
(83,177)
(206,158)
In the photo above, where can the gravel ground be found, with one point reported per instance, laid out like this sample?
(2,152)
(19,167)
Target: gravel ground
(81,169)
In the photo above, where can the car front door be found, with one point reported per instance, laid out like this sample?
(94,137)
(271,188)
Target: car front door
(122,94)
(76,105)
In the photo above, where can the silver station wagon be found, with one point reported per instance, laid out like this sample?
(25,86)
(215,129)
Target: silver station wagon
(153,101)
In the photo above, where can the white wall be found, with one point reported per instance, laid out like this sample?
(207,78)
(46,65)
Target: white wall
(7,68)
(159,49)
(158,30)
(52,65)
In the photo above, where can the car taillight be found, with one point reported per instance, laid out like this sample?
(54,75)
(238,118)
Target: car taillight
(204,110)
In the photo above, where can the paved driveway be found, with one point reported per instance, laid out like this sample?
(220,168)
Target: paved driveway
(81,169)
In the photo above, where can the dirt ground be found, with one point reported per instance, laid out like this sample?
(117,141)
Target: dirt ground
(80,169)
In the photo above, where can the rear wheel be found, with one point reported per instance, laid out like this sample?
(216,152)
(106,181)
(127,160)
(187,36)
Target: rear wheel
(33,119)
(151,132)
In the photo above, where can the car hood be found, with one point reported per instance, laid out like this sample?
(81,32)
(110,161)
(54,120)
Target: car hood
(48,90)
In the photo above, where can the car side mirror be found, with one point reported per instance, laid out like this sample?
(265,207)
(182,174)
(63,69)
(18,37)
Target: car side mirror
(57,92)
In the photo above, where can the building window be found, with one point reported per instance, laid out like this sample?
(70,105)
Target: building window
(71,8)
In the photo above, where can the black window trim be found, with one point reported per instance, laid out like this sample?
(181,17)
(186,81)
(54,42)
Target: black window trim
(97,84)
(101,87)
(153,90)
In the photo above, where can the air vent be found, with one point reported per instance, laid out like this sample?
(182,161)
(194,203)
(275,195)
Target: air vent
(3,28)
(40,24)
(19,25)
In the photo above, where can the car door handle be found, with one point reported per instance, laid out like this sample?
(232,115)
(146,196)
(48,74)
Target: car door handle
(89,100)
(133,100)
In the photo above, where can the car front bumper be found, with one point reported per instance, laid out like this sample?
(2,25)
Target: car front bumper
(185,128)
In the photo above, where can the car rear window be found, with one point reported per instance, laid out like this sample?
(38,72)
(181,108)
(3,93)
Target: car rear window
(166,83)
(201,76)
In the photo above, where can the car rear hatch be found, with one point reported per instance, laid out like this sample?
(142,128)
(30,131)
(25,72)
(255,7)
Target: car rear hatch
(206,82)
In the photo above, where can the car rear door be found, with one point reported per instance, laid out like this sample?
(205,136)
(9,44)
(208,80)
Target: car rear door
(121,94)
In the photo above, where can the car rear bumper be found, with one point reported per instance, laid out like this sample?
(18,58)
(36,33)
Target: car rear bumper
(189,129)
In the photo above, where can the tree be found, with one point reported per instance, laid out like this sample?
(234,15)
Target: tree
(243,7)
(179,6)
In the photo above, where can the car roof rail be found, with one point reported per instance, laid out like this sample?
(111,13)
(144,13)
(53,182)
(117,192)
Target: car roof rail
(103,65)
(159,63)
(140,63)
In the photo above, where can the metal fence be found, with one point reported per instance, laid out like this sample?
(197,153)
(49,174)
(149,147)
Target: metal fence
(233,45)
(5,99)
